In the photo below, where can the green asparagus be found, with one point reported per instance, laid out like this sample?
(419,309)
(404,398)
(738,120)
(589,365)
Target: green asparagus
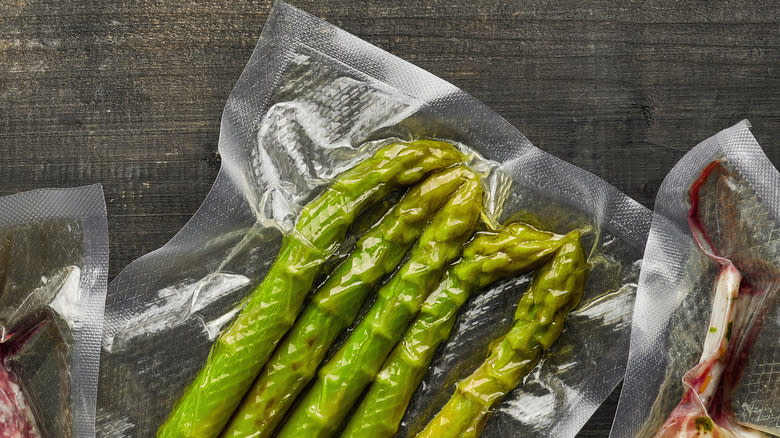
(556,289)
(341,380)
(242,349)
(516,248)
(336,304)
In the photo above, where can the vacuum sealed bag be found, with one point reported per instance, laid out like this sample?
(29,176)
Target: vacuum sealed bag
(53,268)
(704,342)
(344,215)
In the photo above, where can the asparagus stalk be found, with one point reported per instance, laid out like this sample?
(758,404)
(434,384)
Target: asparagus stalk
(514,249)
(539,319)
(343,378)
(336,304)
(241,350)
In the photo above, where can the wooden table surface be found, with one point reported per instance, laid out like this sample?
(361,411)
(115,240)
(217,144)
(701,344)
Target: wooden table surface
(130,93)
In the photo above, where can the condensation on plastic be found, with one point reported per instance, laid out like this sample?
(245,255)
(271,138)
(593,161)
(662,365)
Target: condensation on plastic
(53,272)
(674,298)
(312,102)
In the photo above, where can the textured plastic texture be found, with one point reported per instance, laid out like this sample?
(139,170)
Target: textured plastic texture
(741,219)
(312,102)
(53,268)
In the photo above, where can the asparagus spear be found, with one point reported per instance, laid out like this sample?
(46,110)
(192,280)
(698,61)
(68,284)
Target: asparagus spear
(352,368)
(336,304)
(489,257)
(539,318)
(241,350)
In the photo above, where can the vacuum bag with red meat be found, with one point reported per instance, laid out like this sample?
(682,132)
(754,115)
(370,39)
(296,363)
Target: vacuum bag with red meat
(53,268)
(704,342)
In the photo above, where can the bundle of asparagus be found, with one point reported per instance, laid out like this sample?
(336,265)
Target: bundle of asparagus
(427,230)
(242,349)
(335,305)
(491,256)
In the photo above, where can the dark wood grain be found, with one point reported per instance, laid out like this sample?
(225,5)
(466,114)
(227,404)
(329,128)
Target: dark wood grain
(130,93)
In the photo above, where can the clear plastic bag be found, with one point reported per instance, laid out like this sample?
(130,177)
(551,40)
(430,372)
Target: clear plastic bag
(741,218)
(53,268)
(312,102)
